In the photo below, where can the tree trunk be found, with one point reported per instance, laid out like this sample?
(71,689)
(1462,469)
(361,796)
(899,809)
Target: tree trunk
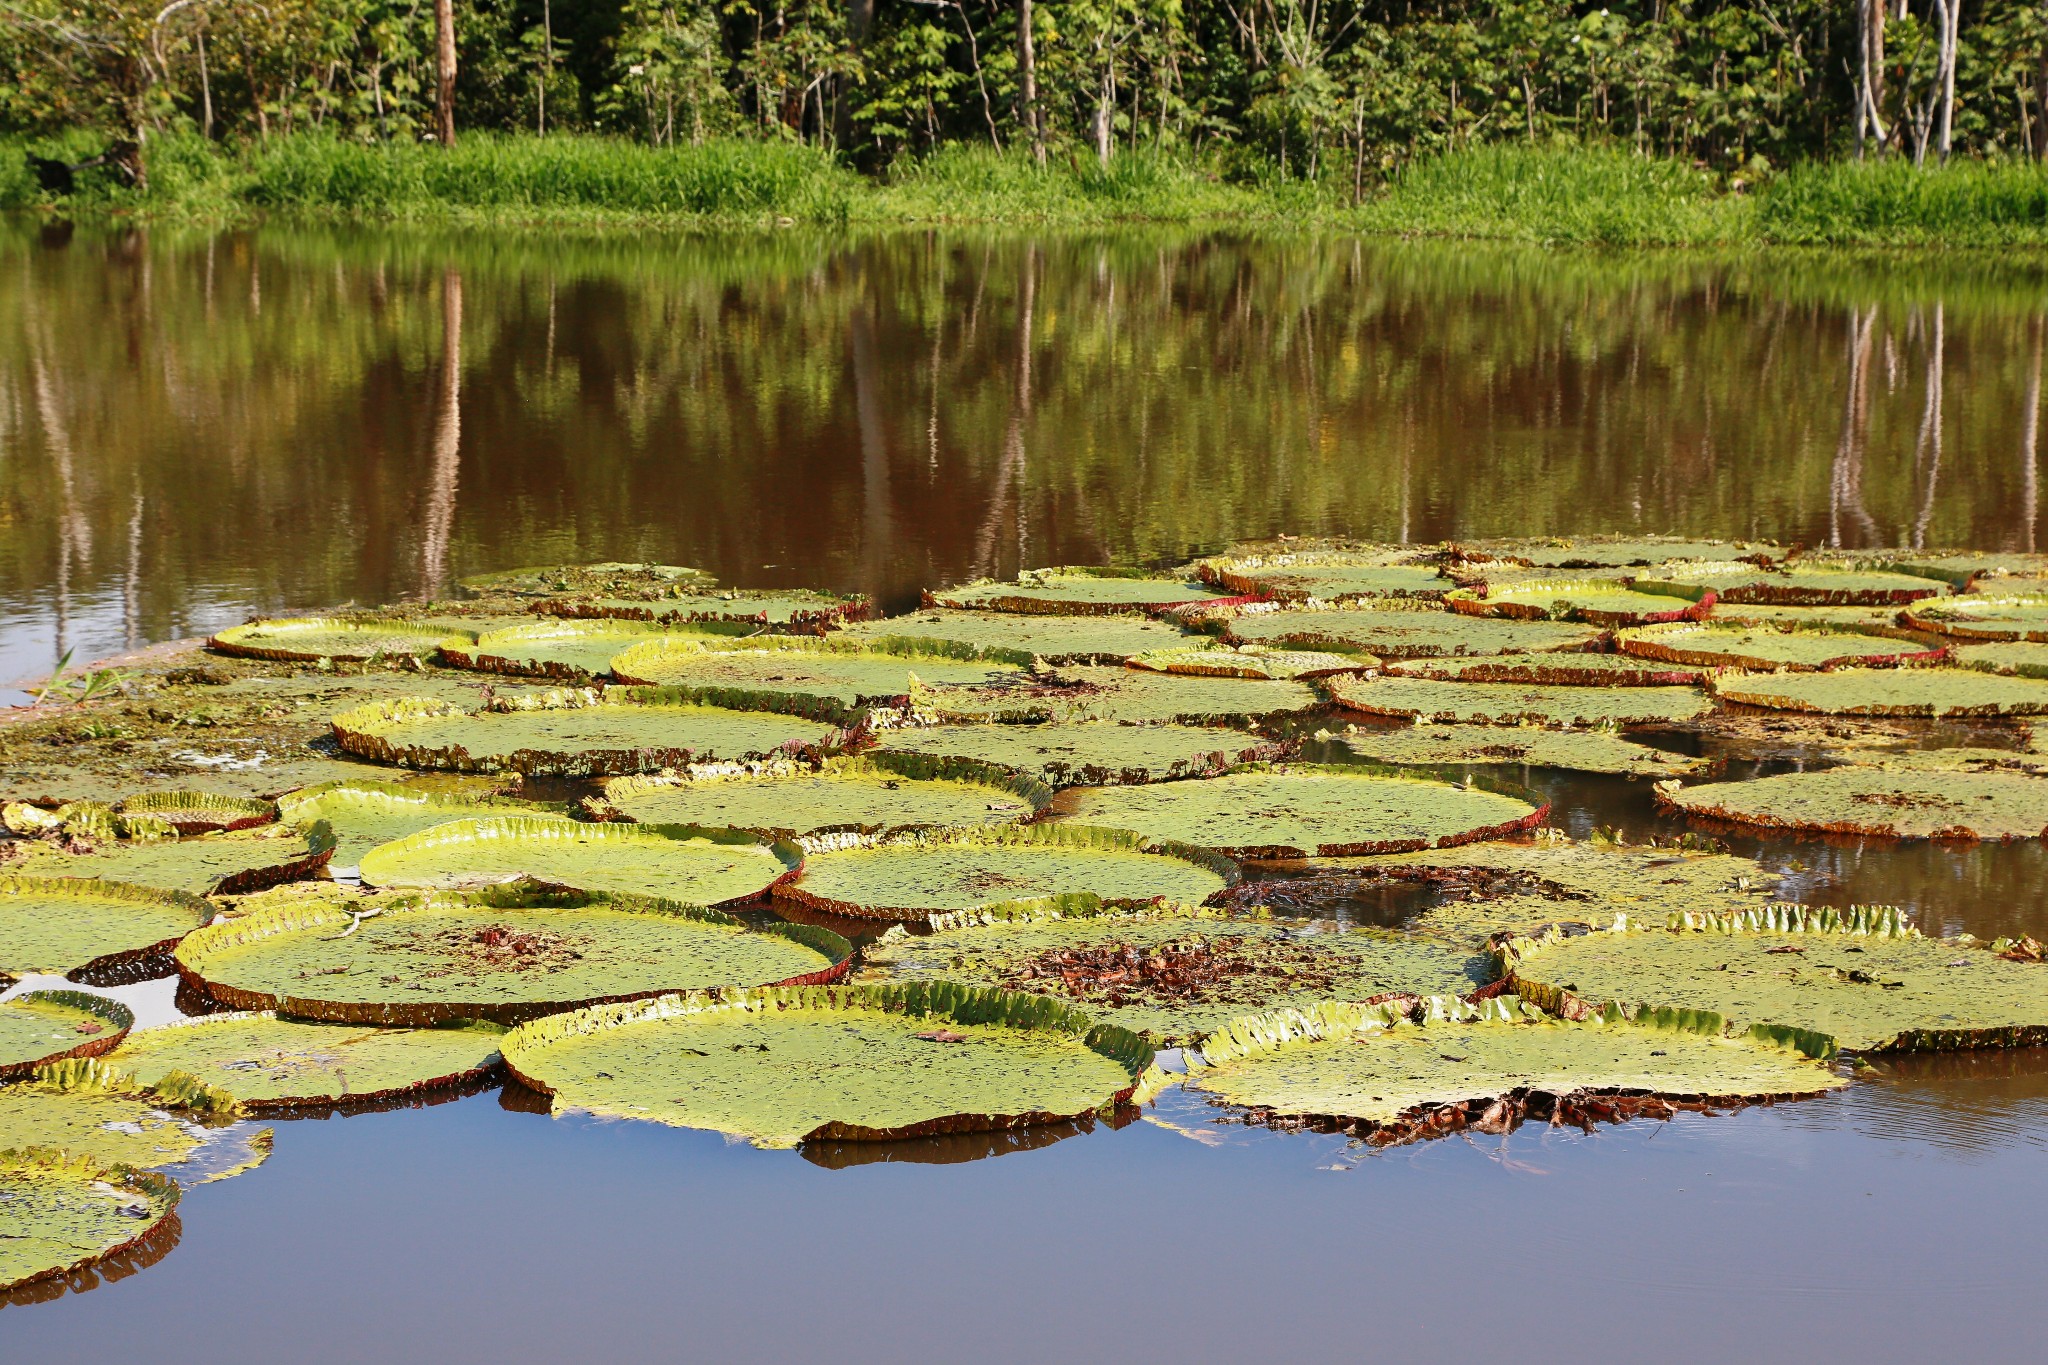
(1100,126)
(1027,82)
(1869,74)
(2041,91)
(1951,46)
(444,71)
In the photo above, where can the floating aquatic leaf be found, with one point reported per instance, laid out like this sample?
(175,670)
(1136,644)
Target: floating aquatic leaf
(1903,798)
(38,1027)
(1248,661)
(1303,811)
(1863,978)
(506,954)
(1094,753)
(1054,639)
(1325,575)
(2017,658)
(267,1063)
(2017,617)
(1596,601)
(365,814)
(684,864)
(786,1066)
(1888,692)
(588,580)
(1174,976)
(335,639)
(79,1107)
(567,651)
(245,860)
(1367,1070)
(1074,591)
(1800,585)
(1399,629)
(64,925)
(795,610)
(1611,552)
(882,794)
(1032,865)
(1860,620)
(832,679)
(1576,669)
(1586,751)
(200,812)
(1515,703)
(1767,647)
(1128,696)
(60,1213)
(573,733)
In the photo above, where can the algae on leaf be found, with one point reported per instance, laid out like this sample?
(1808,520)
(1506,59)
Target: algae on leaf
(1398,629)
(1766,647)
(60,1213)
(1586,751)
(880,794)
(63,925)
(1305,811)
(859,1062)
(1516,703)
(1888,692)
(312,639)
(40,1027)
(1073,591)
(1054,639)
(1094,753)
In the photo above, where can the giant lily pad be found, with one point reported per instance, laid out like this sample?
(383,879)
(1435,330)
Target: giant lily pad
(1859,620)
(1094,753)
(1865,978)
(588,580)
(1576,669)
(267,1063)
(366,814)
(1305,811)
(1325,575)
(572,733)
(794,609)
(1586,751)
(2021,616)
(1174,976)
(2018,658)
(1817,585)
(1129,696)
(1054,639)
(1596,601)
(208,864)
(1074,592)
(506,954)
(1515,703)
(199,812)
(1400,629)
(60,925)
(1248,661)
(876,1062)
(1034,865)
(832,679)
(60,1213)
(73,1108)
(40,1027)
(1888,692)
(884,794)
(568,651)
(1765,647)
(1610,552)
(679,863)
(334,639)
(1368,1070)
(1901,798)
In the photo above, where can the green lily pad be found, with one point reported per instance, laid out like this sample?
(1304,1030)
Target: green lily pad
(1610,552)
(1033,865)
(1801,585)
(1248,661)
(833,679)
(1585,751)
(40,1027)
(208,864)
(1092,753)
(573,733)
(65,925)
(200,812)
(1399,629)
(61,1213)
(1128,696)
(364,815)
(1333,576)
(684,864)
(1888,692)
(1305,811)
(1516,703)
(588,580)
(267,1063)
(851,1062)
(1576,669)
(1866,979)
(1175,976)
(1765,648)
(1859,620)
(334,639)
(1595,601)
(1899,799)
(1053,639)
(505,954)
(2022,616)
(1373,1073)
(882,794)
(2015,658)
(1074,591)
(795,609)
(567,651)
(141,1129)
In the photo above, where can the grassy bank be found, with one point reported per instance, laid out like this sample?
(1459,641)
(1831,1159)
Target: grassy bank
(1504,193)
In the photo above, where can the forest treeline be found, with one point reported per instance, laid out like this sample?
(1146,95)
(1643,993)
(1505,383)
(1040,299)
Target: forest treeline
(1345,92)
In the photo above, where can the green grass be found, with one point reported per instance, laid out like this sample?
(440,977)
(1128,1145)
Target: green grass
(1508,192)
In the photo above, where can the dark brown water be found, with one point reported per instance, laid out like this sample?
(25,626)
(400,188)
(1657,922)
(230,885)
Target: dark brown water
(194,428)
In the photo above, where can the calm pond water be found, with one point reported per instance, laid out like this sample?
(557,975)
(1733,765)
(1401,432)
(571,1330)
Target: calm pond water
(194,428)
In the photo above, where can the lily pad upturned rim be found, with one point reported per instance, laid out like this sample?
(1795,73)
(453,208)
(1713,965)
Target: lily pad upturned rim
(950,596)
(1704,803)
(937,1000)
(193,956)
(684,609)
(488,652)
(1353,692)
(1054,836)
(201,812)
(1232,574)
(509,580)
(1666,642)
(1247,746)
(1959,617)
(1578,668)
(1760,590)
(1478,601)
(630,666)
(1505,551)
(1218,660)
(98,889)
(160,1191)
(1766,691)
(118,1016)
(234,639)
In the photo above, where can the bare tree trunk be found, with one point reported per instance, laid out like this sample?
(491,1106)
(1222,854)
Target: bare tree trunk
(1027,83)
(1870,74)
(447,461)
(2041,91)
(1951,45)
(1100,127)
(205,92)
(444,71)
